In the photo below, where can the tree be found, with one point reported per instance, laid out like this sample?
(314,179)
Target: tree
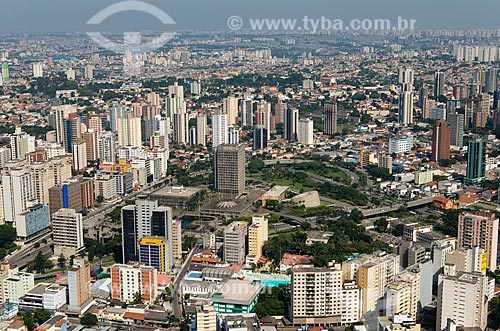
(100,199)
(255,165)
(356,215)
(137,298)
(28,319)
(381,225)
(88,319)
(61,261)
(41,315)
(7,236)
(40,263)
(398,230)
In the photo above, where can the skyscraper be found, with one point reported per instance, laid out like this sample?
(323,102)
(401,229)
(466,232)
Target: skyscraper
(405,113)
(37,70)
(257,236)
(79,284)
(491,80)
(456,122)
(18,193)
(229,169)
(233,137)
(5,72)
(219,130)
(67,232)
(107,147)
(72,131)
(330,118)
(291,124)
(305,131)
(440,141)
(279,112)
(246,107)
(439,83)
(479,229)
(476,161)
(259,137)
(230,107)
(201,129)
(235,235)
(129,131)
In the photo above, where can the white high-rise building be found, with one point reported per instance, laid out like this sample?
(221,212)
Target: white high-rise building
(235,235)
(20,144)
(462,297)
(89,72)
(67,232)
(230,107)
(80,156)
(316,297)
(219,130)
(107,147)
(405,107)
(195,87)
(201,130)
(234,135)
(70,74)
(402,295)
(37,70)
(406,75)
(18,193)
(306,131)
(129,131)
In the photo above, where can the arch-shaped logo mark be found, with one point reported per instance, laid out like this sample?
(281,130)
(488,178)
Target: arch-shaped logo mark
(132,39)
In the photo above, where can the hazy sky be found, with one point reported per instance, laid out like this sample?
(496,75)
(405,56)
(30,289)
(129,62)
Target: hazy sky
(27,16)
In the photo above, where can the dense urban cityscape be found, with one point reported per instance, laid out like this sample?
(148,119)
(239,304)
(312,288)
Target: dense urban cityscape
(251,181)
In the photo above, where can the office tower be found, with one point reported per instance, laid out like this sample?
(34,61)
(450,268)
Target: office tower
(176,91)
(423,94)
(257,236)
(67,232)
(153,252)
(400,144)
(201,130)
(219,130)
(72,194)
(263,117)
(246,108)
(230,107)
(291,124)
(144,220)
(153,99)
(305,131)
(89,72)
(491,81)
(129,279)
(439,84)
(496,100)
(107,147)
(405,114)
(441,134)
(403,295)
(37,70)
(95,123)
(235,235)
(479,229)
(259,137)
(91,139)
(476,161)
(72,131)
(80,155)
(438,113)
(195,87)
(32,222)
(463,298)
(456,122)
(452,106)
(129,131)
(330,118)
(79,284)
(372,273)
(18,193)
(316,297)
(20,144)
(279,112)
(180,127)
(174,103)
(229,169)
(70,74)
(5,72)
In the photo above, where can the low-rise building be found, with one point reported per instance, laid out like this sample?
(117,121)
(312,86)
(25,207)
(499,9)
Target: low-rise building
(236,297)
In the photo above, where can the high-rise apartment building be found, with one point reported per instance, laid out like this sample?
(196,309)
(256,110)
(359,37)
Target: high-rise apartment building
(229,169)
(246,108)
(439,83)
(259,137)
(330,118)
(18,193)
(305,131)
(129,131)
(235,235)
(201,130)
(462,297)
(67,232)
(316,297)
(403,295)
(107,147)
(405,114)
(79,284)
(257,236)
(476,161)
(37,70)
(129,279)
(441,133)
(230,107)
(80,155)
(220,130)
(456,122)
(479,229)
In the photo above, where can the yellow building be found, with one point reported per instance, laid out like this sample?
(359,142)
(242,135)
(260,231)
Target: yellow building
(153,253)
(257,236)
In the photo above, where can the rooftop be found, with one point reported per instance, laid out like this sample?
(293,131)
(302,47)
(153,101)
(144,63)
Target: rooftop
(237,292)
